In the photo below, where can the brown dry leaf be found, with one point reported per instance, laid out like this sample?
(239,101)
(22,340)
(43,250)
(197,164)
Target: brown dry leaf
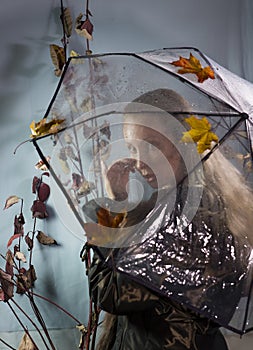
(29,242)
(9,262)
(10,201)
(58,58)
(67,21)
(105,218)
(26,343)
(25,279)
(7,284)
(45,239)
(193,65)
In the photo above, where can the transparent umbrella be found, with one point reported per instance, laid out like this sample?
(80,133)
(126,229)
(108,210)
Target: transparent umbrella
(151,155)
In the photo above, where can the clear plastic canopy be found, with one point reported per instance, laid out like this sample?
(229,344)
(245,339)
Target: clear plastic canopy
(157,169)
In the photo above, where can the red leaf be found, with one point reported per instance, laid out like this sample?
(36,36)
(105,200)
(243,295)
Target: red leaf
(15,236)
(46,173)
(35,184)
(39,210)
(43,192)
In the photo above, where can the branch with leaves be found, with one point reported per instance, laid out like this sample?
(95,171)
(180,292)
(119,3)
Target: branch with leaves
(19,272)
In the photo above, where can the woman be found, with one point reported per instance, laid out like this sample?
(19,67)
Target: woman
(167,290)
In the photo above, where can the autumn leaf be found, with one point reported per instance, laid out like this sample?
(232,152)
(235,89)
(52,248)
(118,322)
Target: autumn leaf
(9,263)
(193,65)
(15,236)
(39,209)
(45,239)
(7,285)
(43,192)
(19,222)
(67,21)
(84,28)
(58,58)
(40,165)
(105,218)
(26,343)
(42,127)
(25,279)
(10,201)
(200,133)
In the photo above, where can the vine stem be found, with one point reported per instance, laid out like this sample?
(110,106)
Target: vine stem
(22,325)
(32,322)
(56,305)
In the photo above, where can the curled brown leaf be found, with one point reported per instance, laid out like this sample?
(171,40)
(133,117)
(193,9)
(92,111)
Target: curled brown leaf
(45,239)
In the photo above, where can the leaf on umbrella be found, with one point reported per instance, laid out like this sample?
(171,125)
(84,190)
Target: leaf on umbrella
(25,279)
(64,166)
(70,153)
(67,138)
(20,256)
(10,201)
(42,127)
(105,130)
(193,65)
(58,58)
(84,28)
(77,181)
(39,210)
(106,218)
(26,343)
(45,239)
(67,21)
(15,236)
(200,133)
(7,284)
(43,192)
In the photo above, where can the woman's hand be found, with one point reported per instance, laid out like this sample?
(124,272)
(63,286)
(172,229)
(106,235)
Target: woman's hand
(117,178)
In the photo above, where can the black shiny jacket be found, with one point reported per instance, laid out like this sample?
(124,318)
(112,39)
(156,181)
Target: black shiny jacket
(146,320)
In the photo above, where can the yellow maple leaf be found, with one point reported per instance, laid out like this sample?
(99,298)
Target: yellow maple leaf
(193,65)
(200,133)
(42,127)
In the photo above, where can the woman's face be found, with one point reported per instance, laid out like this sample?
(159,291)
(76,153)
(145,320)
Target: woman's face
(157,159)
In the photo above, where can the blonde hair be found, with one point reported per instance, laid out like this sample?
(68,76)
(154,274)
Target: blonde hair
(222,181)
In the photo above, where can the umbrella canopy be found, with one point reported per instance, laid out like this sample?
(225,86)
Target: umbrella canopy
(152,152)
